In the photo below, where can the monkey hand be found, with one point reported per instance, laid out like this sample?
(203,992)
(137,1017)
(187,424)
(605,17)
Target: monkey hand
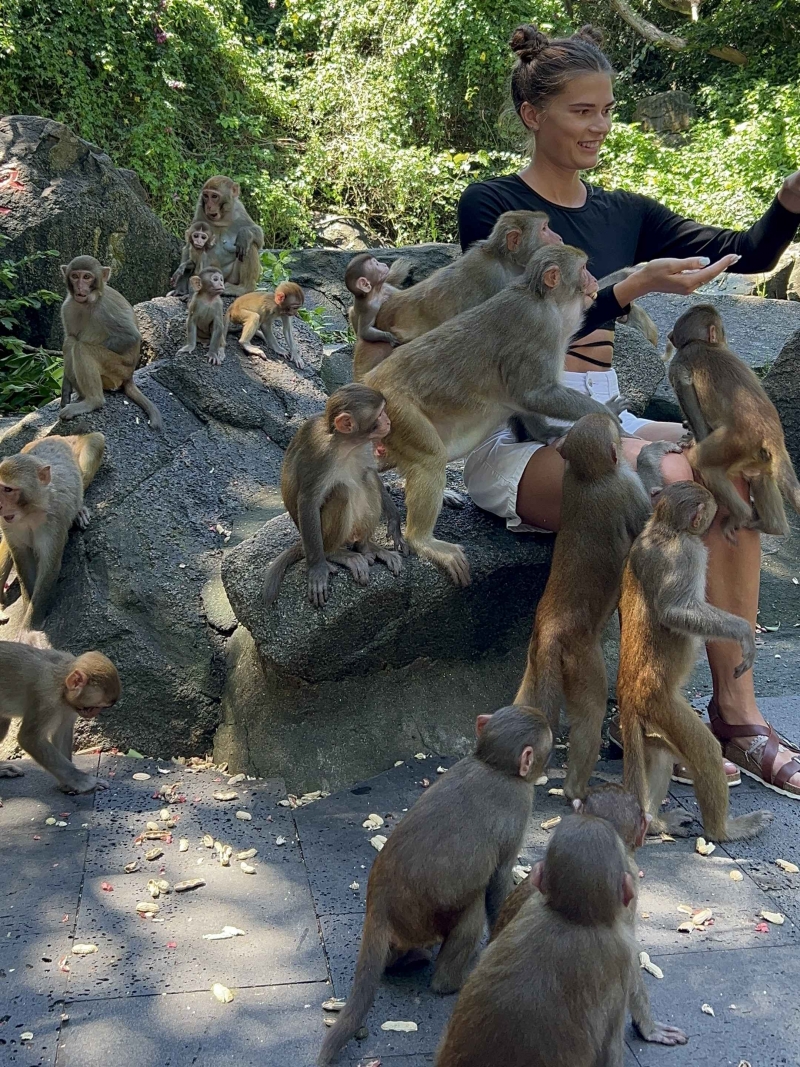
(662,1034)
(186,350)
(297,360)
(616,404)
(216,358)
(8,771)
(318,574)
(748,654)
(242,244)
(84,783)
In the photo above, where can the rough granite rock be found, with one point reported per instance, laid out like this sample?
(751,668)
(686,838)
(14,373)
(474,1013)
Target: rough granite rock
(782,384)
(75,201)
(639,367)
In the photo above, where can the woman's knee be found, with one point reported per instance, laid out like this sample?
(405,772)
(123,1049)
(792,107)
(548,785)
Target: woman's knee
(675,467)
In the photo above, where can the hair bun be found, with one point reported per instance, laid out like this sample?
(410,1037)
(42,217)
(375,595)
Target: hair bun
(592,34)
(527,42)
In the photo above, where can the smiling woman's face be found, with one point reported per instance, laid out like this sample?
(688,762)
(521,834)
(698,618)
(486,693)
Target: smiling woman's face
(570,130)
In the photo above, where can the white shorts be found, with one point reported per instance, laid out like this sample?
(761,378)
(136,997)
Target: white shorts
(493,470)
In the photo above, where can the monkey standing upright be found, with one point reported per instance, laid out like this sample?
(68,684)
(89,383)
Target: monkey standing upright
(449,389)
(238,239)
(736,427)
(552,990)
(198,253)
(41,496)
(664,612)
(101,341)
(49,690)
(256,313)
(448,864)
(605,507)
(205,317)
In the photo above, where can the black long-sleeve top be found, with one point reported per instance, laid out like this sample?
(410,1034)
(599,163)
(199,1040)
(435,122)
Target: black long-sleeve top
(619,229)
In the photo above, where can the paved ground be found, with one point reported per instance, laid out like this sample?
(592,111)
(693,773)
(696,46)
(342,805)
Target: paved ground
(144,996)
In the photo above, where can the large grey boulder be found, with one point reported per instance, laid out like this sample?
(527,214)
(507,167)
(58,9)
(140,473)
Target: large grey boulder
(639,367)
(782,384)
(68,196)
(669,112)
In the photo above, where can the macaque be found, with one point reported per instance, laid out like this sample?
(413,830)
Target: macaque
(101,342)
(636,316)
(735,425)
(205,317)
(257,312)
(238,240)
(334,494)
(41,497)
(605,507)
(198,253)
(368,279)
(49,690)
(447,866)
(664,615)
(552,990)
(620,808)
(449,389)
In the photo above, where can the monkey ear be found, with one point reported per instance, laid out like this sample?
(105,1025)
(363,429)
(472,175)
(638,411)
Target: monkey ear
(552,276)
(712,334)
(628,888)
(513,238)
(577,806)
(614,455)
(43,474)
(526,761)
(641,832)
(364,285)
(76,680)
(106,273)
(343,423)
(279,297)
(669,338)
(697,517)
(537,875)
(235,189)
(64,271)
(195,283)
(480,722)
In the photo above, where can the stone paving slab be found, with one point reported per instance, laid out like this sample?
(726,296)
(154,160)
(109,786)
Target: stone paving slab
(29,800)
(44,876)
(28,1013)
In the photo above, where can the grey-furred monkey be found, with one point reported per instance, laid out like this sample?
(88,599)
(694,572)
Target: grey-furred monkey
(447,866)
(49,690)
(238,239)
(665,614)
(198,253)
(205,317)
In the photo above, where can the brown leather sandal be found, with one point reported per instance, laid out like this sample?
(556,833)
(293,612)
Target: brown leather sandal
(758,761)
(680,772)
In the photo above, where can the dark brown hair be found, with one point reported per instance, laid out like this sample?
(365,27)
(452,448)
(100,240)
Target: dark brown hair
(544,67)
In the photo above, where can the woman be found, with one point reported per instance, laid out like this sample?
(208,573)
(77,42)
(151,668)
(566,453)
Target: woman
(562,92)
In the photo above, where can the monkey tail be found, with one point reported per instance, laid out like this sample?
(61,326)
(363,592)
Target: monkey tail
(277,570)
(549,686)
(787,480)
(372,959)
(634,774)
(137,396)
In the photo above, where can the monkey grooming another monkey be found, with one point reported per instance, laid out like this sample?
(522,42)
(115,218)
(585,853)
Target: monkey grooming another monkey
(41,496)
(256,313)
(334,494)
(664,615)
(448,864)
(736,427)
(238,240)
(449,389)
(198,253)
(205,317)
(101,342)
(49,690)
(552,990)
(605,507)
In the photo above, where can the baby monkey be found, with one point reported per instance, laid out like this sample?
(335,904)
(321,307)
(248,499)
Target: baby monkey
(257,312)
(197,255)
(333,492)
(205,317)
(736,427)
(367,278)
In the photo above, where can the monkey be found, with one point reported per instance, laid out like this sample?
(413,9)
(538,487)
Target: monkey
(367,278)
(49,690)
(735,425)
(552,990)
(636,316)
(605,507)
(239,240)
(205,316)
(101,342)
(41,496)
(256,312)
(198,253)
(663,614)
(449,389)
(623,811)
(447,866)
(332,490)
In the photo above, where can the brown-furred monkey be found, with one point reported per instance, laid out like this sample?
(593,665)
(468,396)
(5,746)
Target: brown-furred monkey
(369,280)
(449,389)
(49,690)
(334,494)
(664,615)
(41,497)
(205,316)
(102,342)
(736,427)
(447,866)
(238,240)
(257,312)
(604,508)
(552,990)
(198,253)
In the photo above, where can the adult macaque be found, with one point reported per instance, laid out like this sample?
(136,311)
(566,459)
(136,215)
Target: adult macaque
(620,808)
(552,990)
(449,389)
(257,312)
(333,492)
(205,317)
(238,240)
(101,342)
(448,864)
(605,507)
(664,615)
(49,690)
(198,253)
(41,496)
(736,427)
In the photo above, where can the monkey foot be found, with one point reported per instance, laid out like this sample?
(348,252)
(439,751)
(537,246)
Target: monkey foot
(216,358)
(663,1034)
(453,499)
(86,784)
(82,519)
(254,350)
(297,362)
(185,351)
(451,558)
(11,772)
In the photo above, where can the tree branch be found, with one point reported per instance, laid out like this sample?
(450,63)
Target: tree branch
(648,30)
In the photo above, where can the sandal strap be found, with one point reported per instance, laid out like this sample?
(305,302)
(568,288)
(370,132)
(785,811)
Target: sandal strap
(769,751)
(783,775)
(723,731)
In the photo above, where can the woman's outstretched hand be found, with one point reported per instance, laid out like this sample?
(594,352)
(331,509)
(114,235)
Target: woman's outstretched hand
(671,276)
(789,193)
